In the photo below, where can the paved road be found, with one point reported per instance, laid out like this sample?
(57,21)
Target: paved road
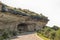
(28,36)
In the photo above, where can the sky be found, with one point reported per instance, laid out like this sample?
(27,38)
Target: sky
(49,8)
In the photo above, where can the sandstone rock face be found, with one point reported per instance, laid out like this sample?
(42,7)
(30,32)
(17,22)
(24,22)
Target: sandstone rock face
(12,21)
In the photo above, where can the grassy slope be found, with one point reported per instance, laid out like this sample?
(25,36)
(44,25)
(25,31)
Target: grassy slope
(42,36)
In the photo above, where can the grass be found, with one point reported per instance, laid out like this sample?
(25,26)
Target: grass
(42,36)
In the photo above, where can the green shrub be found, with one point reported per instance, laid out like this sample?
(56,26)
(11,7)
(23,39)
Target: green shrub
(52,35)
(57,35)
(6,33)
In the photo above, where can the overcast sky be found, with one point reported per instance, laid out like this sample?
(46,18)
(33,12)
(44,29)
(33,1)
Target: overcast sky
(49,8)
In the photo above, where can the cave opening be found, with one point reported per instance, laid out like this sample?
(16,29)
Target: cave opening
(22,27)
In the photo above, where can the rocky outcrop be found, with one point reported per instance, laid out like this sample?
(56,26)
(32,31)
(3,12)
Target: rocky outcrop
(20,20)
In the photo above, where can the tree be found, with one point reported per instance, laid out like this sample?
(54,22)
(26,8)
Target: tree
(55,27)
